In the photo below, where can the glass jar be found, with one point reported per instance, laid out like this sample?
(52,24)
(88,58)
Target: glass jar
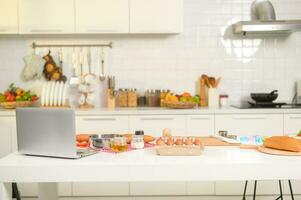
(119,144)
(223,100)
(138,140)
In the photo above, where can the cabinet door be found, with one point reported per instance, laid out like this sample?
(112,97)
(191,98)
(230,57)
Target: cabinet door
(200,125)
(250,124)
(31,189)
(8,129)
(157,188)
(101,189)
(292,124)
(156,16)
(154,124)
(8,16)
(102,124)
(46,16)
(102,16)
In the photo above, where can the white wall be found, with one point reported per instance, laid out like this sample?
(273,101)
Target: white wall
(176,61)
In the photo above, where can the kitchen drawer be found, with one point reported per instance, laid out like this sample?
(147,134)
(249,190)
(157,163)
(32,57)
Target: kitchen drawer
(237,187)
(199,125)
(31,189)
(101,189)
(250,124)
(200,188)
(292,123)
(157,188)
(154,124)
(102,124)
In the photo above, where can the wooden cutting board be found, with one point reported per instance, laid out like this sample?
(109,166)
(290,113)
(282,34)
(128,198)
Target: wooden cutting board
(212,141)
(277,152)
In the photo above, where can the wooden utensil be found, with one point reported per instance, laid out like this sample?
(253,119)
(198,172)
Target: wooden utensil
(212,82)
(218,81)
(203,92)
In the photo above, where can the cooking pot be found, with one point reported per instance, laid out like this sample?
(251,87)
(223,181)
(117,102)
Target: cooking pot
(265,97)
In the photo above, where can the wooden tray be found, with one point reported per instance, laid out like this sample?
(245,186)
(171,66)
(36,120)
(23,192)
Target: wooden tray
(179,150)
(179,105)
(277,152)
(212,141)
(15,104)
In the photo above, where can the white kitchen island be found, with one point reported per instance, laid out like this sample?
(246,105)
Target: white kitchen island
(216,164)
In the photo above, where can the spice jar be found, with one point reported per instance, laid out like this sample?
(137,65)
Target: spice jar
(223,100)
(141,100)
(132,98)
(138,140)
(119,144)
(122,98)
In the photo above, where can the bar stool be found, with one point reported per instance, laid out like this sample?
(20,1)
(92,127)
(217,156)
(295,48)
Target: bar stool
(280,188)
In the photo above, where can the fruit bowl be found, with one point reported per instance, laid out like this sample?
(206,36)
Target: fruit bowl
(180,105)
(15,104)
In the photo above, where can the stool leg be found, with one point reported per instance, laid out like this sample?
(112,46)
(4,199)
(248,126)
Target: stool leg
(15,191)
(245,190)
(280,188)
(255,188)
(291,189)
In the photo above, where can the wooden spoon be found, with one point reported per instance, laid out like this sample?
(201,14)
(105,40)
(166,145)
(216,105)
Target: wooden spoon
(212,82)
(218,81)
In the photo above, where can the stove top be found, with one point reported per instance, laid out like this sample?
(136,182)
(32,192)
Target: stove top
(266,105)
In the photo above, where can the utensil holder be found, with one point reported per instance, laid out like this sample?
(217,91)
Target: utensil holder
(111,99)
(213,98)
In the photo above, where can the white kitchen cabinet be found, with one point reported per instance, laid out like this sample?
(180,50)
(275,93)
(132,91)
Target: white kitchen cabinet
(200,188)
(156,16)
(250,124)
(154,124)
(8,16)
(157,188)
(292,124)
(101,189)
(102,16)
(46,16)
(199,125)
(31,189)
(8,129)
(102,124)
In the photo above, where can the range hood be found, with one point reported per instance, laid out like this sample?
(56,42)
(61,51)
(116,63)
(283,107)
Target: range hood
(264,21)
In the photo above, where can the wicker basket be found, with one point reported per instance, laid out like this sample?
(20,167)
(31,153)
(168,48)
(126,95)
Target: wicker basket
(15,104)
(180,105)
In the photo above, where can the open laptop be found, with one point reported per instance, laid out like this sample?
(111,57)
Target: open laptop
(48,132)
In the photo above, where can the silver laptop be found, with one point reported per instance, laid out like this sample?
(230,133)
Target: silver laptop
(48,132)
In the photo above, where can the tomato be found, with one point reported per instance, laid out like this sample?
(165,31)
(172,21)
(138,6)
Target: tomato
(7,93)
(83,144)
(34,98)
(10,98)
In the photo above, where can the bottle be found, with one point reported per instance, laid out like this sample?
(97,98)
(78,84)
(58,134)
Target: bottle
(138,140)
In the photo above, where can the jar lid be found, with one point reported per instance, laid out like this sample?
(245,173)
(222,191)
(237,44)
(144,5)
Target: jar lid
(139,132)
(223,96)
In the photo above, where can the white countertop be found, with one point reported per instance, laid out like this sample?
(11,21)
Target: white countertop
(216,163)
(166,111)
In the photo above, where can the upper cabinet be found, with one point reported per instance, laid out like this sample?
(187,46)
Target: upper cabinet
(46,16)
(102,16)
(8,16)
(156,16)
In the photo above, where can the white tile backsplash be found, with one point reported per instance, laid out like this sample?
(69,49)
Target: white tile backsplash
(176,61)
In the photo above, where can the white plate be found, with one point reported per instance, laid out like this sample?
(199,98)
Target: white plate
(47,91)
(65,94)
(51,94)
(60,94)
(56,93)
(43,94)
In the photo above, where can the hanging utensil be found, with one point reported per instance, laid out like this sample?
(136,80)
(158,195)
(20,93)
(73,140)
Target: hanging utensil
(74,80)
(89,60)
(102,76)
(81,62)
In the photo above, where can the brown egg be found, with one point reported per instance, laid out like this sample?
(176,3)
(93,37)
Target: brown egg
(179,141)
(160,142)
(197,142)
(170,142)
(188,141)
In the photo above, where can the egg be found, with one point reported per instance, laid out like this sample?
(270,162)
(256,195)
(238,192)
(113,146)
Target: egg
(167,133)
(197,142)
(188,141)
(170,142)
(160,142)
(179,141)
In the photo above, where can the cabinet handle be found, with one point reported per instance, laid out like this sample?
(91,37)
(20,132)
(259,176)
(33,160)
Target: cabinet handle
(249,118)
(157,119)
(99,119)
(102,30)
(200,118)
(295,117)
(46,31)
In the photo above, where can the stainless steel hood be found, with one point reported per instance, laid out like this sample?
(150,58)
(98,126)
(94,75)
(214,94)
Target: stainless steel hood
(264,21)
